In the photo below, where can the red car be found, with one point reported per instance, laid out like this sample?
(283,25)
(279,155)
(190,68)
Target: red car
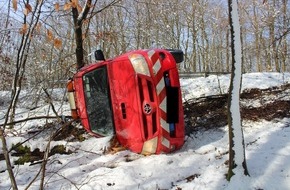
(136,96)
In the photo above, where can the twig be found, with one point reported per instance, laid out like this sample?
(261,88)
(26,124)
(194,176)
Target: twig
(43,166)
(50,102)
(19,144)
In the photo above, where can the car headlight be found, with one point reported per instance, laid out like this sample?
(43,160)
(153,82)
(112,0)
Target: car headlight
(139,64)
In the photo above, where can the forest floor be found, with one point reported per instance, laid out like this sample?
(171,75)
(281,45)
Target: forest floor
(256,104)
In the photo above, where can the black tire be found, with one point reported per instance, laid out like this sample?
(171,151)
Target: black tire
(177,54)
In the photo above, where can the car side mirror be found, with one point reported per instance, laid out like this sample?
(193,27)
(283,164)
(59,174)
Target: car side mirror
(99,55)
(177,54)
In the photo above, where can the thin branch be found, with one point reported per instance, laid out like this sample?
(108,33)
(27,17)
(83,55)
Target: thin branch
(105,7)
(45,157)
(31,118)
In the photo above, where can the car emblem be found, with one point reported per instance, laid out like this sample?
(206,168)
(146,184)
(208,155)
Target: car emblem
(147,108)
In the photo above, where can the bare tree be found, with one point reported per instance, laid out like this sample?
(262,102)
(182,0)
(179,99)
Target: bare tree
(80,15)
(27,31)
(237,160)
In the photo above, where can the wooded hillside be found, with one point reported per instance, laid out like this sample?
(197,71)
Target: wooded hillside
(199,28)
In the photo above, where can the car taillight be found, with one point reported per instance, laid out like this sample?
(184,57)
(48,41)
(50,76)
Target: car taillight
(71,100)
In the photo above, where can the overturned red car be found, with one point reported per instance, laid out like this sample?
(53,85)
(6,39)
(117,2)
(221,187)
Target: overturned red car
(135,96)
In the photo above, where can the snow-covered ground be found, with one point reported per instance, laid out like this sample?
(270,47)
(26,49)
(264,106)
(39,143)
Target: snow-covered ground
(200,164)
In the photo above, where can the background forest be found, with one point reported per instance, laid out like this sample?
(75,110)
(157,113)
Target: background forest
(200,28)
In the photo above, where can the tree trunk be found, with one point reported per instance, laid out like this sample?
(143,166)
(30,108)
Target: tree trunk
(284,39)
(78,19)
(228,50)
(257,39)
(7,159)
(237,160)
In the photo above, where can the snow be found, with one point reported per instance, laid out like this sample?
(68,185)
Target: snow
(200,164)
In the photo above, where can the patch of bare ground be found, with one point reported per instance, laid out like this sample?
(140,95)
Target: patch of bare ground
(256,104)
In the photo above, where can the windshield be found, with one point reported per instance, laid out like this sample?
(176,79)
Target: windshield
(97,95)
